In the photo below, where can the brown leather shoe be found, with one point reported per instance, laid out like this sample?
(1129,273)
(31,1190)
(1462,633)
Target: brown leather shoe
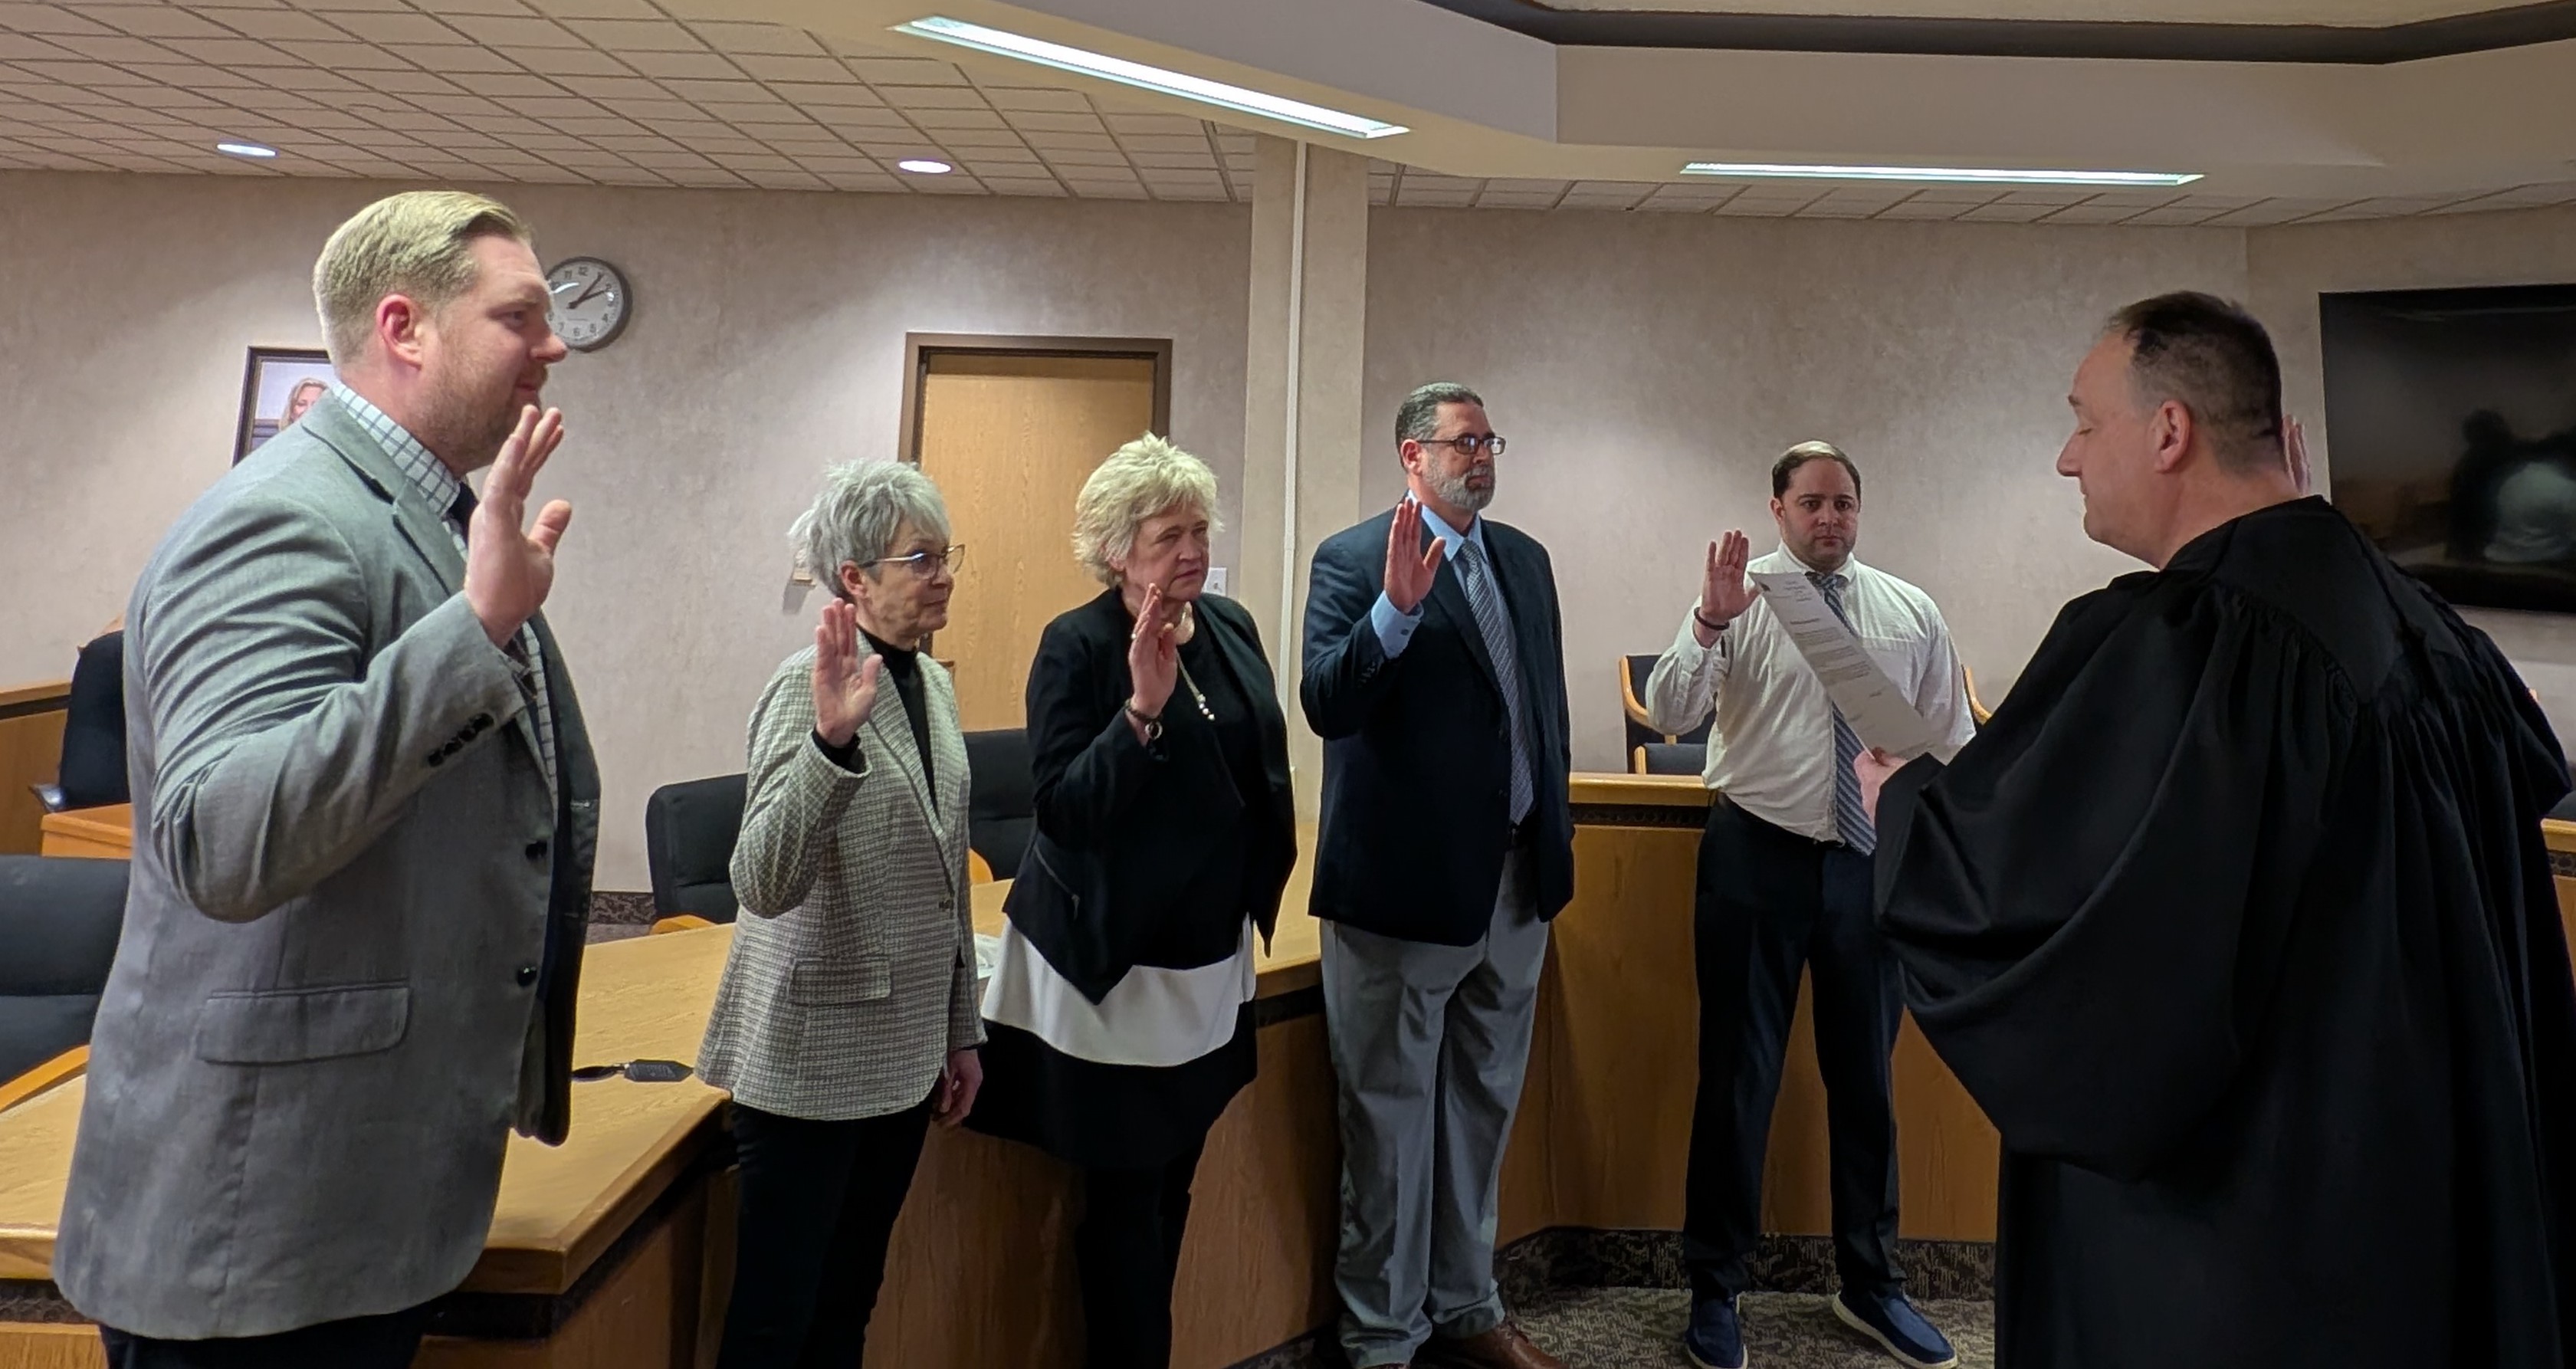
(1504,1347)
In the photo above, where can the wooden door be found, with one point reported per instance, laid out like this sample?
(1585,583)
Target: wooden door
(1009,438)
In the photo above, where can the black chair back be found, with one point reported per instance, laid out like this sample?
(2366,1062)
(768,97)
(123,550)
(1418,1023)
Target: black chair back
(1674,758)
(689,832)
(1001,804)
(59,922)
(92,771)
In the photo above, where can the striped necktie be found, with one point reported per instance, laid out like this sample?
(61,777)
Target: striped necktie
(1495,624)
(1850,818)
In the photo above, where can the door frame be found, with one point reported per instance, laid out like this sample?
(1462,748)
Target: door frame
(919,348)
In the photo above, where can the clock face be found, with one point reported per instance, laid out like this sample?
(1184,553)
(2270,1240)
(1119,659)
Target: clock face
(591,302)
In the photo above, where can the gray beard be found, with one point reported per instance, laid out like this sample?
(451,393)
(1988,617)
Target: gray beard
(1454,491)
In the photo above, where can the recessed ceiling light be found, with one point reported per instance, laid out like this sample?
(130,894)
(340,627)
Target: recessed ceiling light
(251,150)
(925,166)
(959,33)
(1783,171)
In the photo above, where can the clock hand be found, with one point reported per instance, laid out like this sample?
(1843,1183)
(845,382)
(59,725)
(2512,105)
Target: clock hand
(595,287)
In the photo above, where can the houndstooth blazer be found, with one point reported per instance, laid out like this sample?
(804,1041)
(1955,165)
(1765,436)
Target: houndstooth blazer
(852,974)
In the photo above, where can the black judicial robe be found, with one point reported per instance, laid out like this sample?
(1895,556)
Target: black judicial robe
(2237,923)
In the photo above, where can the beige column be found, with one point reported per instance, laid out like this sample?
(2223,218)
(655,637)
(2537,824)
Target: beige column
(1303,438)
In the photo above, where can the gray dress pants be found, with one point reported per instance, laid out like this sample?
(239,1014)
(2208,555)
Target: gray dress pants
(1429,1046)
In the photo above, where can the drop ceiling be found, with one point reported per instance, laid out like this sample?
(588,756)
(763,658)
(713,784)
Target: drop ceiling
(649,93)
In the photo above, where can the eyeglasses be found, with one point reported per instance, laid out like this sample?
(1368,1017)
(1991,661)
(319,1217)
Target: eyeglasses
(925,564)
(1467,445)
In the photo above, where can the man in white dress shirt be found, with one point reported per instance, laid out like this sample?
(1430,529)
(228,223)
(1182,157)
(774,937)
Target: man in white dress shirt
(1784,883)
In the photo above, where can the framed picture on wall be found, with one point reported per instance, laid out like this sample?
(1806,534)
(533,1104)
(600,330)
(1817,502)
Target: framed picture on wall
(277,387)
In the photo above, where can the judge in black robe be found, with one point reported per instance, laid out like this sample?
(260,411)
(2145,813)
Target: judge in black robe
(2236,921)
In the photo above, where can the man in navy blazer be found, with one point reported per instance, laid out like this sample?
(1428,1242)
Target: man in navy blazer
(1435,672)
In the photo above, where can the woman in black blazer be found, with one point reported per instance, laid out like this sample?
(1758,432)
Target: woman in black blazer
(1119,1013)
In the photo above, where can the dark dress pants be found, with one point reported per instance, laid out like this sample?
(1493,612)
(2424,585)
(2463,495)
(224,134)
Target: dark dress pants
(1769,903)
(816,1206)
(1129,1250)
(387,1341)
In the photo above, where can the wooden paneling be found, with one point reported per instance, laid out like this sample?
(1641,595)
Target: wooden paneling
(989,1224)
(1625,1043)
(50,1347)
(643,1316)
(89,833)
(1619,1067)
(31,752)
(1009,439)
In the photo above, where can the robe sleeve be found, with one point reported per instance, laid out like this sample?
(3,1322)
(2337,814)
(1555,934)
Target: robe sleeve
(2083,901)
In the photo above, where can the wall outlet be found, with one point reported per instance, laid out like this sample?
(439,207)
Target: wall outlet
(1215,580)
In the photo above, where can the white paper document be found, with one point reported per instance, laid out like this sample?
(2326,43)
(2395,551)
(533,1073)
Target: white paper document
(1876,709)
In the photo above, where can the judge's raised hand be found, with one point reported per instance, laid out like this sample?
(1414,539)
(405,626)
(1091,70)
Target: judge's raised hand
(509,568)
(1873,767)
(845,687)
(2294,445)
(1724,593)
(1153,657)
(1410,566)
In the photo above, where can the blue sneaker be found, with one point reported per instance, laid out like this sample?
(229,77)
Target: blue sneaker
(1898,1328)
(1714,1340)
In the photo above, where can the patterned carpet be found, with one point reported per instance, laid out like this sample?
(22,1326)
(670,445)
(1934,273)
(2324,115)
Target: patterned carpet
(1641,1328)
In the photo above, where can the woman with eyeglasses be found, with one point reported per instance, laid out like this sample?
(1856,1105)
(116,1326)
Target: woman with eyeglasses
(1120,1008)
(846,1020)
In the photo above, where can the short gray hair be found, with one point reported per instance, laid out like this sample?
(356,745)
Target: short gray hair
(1418,417)
(1148,476)
(418,243)
(862,506)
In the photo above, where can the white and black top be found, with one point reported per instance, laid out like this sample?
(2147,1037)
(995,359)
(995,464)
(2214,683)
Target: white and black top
(1119,1012)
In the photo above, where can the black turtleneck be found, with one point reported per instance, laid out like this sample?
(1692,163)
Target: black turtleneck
(903,667)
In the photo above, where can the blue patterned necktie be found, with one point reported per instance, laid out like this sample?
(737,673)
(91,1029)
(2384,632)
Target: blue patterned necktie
(1849,816)
(1496,626)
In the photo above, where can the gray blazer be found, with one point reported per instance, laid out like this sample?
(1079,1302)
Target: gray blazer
(852,973)
(354,927)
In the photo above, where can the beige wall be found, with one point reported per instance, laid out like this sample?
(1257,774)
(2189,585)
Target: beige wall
(1649,369)
(767,341)
(2290,266)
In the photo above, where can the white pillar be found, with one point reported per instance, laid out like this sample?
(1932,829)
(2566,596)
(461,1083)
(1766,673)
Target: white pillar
(1302,428)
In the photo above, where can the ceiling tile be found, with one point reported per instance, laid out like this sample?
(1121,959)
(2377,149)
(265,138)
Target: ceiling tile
(502,31)
(637,35)
(760,39)
(397,28)
(905,71)
(113,48)
(2007,213)
(958,118)
(736,91)
(699,65)
(48,19)
(849,92)
(1039,101)
(277,26)
(154,21)
(597,9)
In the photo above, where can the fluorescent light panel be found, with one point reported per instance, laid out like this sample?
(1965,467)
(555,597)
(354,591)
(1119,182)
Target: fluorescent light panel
(958,33)
(924,166)
(253,150)
(1784,171)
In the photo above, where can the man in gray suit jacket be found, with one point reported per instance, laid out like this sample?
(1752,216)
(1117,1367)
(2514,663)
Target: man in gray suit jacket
(365,811)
